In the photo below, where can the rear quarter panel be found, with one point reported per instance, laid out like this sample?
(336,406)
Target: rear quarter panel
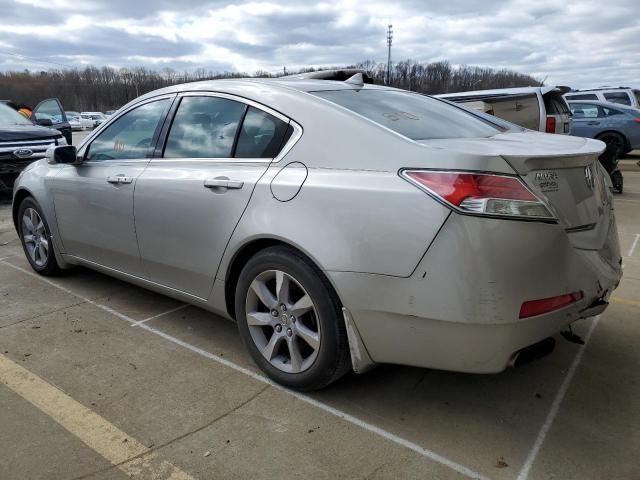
(345,220)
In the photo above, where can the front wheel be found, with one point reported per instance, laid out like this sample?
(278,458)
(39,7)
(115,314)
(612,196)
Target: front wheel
(291,321)
(36,238)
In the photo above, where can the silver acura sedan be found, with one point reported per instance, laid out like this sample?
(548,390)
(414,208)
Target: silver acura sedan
(339,224)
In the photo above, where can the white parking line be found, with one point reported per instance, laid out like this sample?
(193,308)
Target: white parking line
(555,406)
(633,245)
(177,309)
(431,455)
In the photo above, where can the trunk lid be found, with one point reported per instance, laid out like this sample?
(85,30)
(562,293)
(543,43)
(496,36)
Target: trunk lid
(563,171)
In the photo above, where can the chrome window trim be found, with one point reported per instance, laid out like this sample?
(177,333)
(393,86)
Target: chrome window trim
(295,136)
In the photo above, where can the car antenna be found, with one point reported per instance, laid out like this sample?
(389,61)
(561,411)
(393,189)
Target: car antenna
(356,79)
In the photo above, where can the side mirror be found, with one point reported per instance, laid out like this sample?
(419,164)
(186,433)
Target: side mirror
(65,154)
(44,122)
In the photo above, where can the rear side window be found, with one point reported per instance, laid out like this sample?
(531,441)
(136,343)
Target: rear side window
(522,110)
(610,111)
(618,97)
(261,136)
(415,116)
(582,96)
(204,127)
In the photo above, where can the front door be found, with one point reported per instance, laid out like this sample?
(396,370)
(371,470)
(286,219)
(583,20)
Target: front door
(50,113)
(94,200)
(587,120)
(188,202)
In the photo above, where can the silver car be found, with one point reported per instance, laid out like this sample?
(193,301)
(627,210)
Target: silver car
(340,224)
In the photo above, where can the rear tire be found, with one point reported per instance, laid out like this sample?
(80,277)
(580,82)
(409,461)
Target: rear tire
(35,237)
(290,320)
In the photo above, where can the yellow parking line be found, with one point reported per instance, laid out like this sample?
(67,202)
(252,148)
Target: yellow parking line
(96,432)
(625,301)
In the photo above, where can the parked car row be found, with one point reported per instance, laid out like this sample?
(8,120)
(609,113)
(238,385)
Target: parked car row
(86,120)
(454,240)
(610,114)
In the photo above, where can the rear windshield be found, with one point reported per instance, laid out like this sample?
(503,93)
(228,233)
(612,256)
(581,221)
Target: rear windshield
(413,115)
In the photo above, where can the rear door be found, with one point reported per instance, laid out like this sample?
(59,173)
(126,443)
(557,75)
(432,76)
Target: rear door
(587,120)
(50,110)
(191,196)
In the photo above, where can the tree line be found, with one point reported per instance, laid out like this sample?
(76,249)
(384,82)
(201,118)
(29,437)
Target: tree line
(107,88)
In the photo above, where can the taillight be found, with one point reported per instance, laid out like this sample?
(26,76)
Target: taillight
(480,193)
(637,119)
(546,305)
(551,125)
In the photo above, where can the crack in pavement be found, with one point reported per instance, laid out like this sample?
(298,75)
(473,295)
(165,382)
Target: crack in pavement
(155,448)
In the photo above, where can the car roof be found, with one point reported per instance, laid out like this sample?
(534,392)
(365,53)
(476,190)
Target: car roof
(506,91)
(303,85)
(602,89)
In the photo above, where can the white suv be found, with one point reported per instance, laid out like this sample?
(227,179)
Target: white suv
(622,95)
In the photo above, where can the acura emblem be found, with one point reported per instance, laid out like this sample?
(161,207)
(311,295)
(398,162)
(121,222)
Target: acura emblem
(23,152)
(588,177)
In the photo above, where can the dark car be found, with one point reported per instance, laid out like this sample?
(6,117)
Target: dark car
(49,113)
(22,142)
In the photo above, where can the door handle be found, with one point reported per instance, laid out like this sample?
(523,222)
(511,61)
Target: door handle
(117,179)
(223,182)
(593,123)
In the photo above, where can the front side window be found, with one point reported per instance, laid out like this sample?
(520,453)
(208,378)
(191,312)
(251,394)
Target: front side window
(618,97)
(412,115)
(261,136)
(204,127)
(584,110)
(130,136)
(49,110)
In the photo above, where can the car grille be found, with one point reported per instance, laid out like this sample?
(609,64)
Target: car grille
(10,162)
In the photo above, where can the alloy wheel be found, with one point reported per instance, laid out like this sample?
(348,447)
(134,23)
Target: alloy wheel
(283,321)
(35,237)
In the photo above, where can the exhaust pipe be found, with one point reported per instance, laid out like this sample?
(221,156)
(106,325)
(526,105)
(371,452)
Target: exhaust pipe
(533,352)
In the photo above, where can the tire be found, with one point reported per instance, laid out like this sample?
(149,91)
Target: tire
(36,239)
(615,146)
(617,181)
(306,340)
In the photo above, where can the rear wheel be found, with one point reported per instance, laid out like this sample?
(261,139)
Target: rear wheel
(36,238)
(290,320)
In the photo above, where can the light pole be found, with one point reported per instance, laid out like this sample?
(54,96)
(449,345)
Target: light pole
(389,42)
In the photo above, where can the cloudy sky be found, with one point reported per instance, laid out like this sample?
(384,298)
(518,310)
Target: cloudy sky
(580,43)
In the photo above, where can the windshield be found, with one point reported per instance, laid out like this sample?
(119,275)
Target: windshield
(415,116)
(8,116)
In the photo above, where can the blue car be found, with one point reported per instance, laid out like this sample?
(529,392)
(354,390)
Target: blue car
(610,122)
(616,125)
